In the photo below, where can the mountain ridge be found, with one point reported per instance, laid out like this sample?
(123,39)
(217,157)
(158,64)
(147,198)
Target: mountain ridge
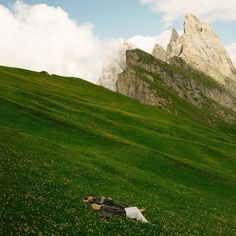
(154,82)
(198,46)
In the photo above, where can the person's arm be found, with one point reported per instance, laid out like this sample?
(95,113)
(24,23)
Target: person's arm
(95,206)
(120,204)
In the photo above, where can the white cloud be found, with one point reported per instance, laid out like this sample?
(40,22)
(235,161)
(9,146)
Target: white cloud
(209,10)
(147,43)
(40,37)
(232,51)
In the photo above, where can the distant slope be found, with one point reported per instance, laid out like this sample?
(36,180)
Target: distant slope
(62,138)
(177,88)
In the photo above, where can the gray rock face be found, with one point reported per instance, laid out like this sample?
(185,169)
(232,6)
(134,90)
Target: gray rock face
(159,52)
(175,45)
(129,84)
(145,79)
(112,68)
(201,48)
(197,92)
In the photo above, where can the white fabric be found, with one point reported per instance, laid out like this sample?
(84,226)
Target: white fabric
(134,213)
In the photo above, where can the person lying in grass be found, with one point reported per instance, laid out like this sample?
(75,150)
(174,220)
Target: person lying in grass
(109,207)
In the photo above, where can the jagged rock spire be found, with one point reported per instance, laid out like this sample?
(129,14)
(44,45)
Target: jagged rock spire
(201,48)
(159,52)
(174,48)
(174,36)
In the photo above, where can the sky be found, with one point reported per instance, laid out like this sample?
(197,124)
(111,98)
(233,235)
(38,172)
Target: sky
(75,37)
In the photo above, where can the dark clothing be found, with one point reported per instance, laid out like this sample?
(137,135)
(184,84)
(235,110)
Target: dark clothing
(109,208)
(110,202)
(108,211)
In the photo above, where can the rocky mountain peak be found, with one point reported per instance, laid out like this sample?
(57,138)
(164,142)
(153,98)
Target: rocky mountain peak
(159,52)
(174,47)
(191,20)
(201,48)
(174,36)
(193,26)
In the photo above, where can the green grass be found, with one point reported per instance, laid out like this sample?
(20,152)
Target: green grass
(63,138)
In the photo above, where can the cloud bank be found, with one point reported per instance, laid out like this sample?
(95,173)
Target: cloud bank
(210,10)
(40,37)
(147,43)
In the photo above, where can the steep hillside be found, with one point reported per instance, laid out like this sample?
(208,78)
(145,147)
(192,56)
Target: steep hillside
(63,138)
(177,88)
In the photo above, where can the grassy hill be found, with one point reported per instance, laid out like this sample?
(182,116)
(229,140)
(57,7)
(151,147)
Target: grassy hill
(63,138)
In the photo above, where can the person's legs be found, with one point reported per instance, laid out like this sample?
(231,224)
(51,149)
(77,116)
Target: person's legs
(107,211)
(134,213)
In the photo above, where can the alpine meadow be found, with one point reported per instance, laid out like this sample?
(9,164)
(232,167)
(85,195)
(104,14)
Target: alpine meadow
(62,138)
